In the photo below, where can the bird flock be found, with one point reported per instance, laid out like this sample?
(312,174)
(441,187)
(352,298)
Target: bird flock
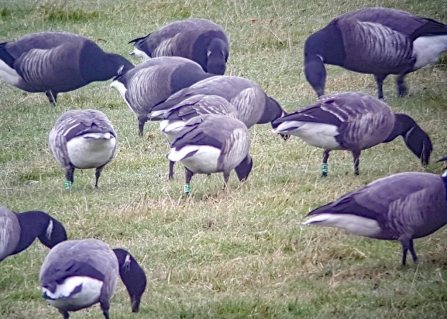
(206,116)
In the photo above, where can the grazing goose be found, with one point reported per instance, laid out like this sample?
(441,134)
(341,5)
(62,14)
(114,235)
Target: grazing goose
(398,207)
(378,41)
(77,274)
(249,99)
(153,81)
(175,118)
(19,230)
(199,40)
(353,121)
(83,139)
(212,143)
(54,62)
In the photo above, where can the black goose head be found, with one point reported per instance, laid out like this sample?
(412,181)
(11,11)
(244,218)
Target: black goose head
(54,234)
(315,73)
(132,275)
(415,138)
(97,65)
(323,46)
(217,56)
(120,63)
(244,168)
(314,69)
(37,224)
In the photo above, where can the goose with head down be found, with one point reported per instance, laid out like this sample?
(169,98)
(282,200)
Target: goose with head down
(353,121)
(54,62)
(253,105)
(200,40)
(212,143)
(153,81)
(83,139)
(399,207)
(378,41)
(77,274)
(19,230)
(176,117)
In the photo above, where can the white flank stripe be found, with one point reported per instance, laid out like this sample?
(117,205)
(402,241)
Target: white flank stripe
(315,134)
(89,294)
(159,113)
(427,49)
(203,162)
(140,54)
(8,74)
(287,127)
(351,223)
(171,128)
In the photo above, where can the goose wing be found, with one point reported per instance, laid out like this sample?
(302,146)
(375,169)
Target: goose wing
(375,48)
(399,203)
(200,105)
(198,131)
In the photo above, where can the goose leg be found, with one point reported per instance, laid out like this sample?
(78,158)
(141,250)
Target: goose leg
(141,121)
(407,244)
(412,251)
(324,166)
(379,80)
(171,170)
(401,87)
(98,174)
(226,176)
(356,155)
(52,96)
(69,176)
(64,314)
(187,186)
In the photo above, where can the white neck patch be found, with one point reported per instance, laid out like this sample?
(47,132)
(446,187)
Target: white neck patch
(126,264)
(49,229)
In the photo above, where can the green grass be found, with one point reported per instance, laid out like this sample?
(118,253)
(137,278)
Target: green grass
(235,253)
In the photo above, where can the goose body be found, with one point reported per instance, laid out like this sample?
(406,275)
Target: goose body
(353,121)
(378,41)
(213,143)
(54,62)
(19,230)
(254,106)
(400,207)
(83,139)
(77,274)
(176,117)
(153,81)
(200,40)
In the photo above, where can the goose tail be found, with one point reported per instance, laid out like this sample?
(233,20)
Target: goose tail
(430,28)
(5,56)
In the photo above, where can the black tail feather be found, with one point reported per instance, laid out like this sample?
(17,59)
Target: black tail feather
(431,27)
(136,40)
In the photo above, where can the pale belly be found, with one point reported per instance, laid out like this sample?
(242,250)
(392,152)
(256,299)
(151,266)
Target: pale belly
(90,152)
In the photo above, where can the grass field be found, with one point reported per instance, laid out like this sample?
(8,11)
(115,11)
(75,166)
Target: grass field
(235,253)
